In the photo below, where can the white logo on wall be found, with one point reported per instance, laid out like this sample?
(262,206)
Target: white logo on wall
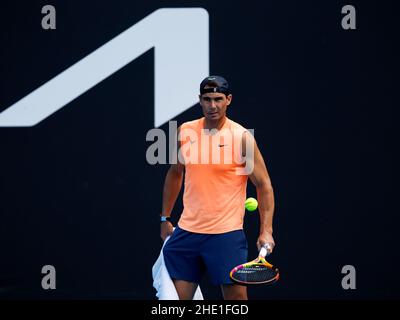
(181,40)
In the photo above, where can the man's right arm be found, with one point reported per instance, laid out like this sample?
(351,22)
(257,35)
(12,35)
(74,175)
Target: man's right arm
(172,187)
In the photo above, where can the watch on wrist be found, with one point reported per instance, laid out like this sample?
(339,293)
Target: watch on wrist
(164,218)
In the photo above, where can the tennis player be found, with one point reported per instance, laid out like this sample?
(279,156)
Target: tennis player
(209,236)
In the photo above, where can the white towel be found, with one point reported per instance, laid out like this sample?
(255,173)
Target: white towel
(162,281)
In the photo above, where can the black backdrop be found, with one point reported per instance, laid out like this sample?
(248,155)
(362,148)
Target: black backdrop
(77,192)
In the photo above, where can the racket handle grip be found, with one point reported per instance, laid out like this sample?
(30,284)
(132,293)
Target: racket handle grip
(265,250)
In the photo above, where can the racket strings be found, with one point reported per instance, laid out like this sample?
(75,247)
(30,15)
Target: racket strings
(255,274)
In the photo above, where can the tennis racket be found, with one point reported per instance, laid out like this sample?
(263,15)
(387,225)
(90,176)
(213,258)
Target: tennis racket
(258,271)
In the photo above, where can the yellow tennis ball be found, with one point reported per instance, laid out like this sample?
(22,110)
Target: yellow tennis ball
(251,204)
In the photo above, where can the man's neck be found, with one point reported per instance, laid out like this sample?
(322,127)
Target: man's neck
(217,124)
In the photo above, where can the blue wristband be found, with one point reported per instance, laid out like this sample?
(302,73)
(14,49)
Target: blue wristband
(164,218)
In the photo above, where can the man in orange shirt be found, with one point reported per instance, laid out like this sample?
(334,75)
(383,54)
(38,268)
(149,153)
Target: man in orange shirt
(209,236)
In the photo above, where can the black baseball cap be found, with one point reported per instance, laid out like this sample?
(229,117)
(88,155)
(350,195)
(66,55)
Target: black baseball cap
(217,84)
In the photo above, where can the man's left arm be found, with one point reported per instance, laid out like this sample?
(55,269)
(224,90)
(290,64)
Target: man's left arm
(265,194)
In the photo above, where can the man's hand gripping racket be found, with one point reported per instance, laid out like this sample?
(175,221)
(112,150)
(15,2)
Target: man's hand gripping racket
(258,271)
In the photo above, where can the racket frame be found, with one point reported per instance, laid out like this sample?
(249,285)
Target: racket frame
(260,261)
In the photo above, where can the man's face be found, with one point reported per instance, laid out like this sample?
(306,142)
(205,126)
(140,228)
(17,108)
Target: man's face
(214,105)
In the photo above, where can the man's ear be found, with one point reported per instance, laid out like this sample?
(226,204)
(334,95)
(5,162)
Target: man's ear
(229,99)
(200,99)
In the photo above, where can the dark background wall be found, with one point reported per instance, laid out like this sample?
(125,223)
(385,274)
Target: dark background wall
(76,191)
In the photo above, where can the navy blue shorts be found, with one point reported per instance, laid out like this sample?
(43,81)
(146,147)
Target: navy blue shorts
(189,255)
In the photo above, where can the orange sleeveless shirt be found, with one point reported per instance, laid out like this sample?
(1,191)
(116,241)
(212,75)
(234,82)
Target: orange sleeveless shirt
(214,191)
